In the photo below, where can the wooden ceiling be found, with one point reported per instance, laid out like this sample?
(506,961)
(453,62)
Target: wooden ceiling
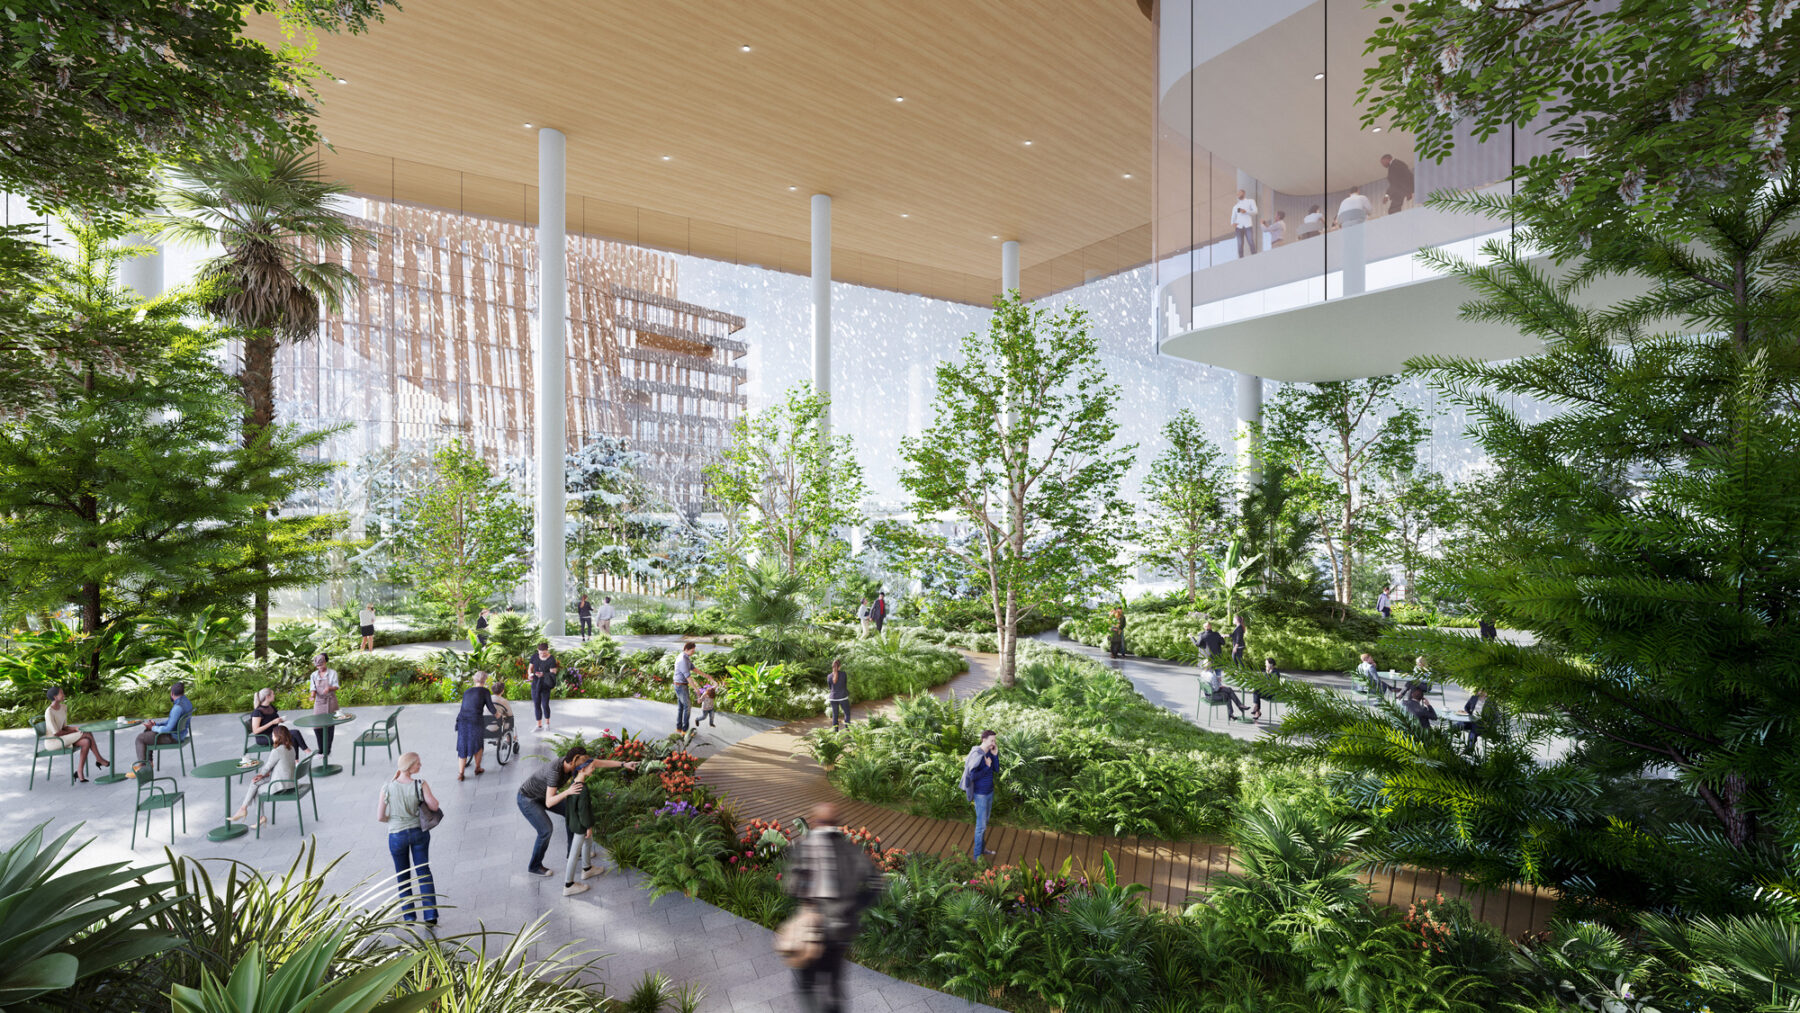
(680,139)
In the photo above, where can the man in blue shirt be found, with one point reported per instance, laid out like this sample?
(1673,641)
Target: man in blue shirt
(173,728)
(1384,602)
(978,784)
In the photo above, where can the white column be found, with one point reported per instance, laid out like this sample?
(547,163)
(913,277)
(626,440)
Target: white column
(1356,259)
(1009,266)
(1249,415)
(551,359)
(143,274)
(821,298)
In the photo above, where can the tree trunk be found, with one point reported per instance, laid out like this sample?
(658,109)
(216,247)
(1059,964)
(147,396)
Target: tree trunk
(258,380)
(90,624)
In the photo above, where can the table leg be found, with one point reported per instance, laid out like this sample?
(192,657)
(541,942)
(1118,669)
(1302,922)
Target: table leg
(227,830)
(112,748)
(326,768)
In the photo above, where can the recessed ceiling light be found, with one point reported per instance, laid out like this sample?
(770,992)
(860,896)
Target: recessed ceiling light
(793,188)
(1320,76)
(744,48)
(342,81)
(527,126)
(1028,144)
(1377,130)
(899,98)
(667,157)
(905,215)
(1128,175)
(993,237)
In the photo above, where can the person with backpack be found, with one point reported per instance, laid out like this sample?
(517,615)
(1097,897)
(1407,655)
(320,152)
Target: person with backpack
(980,768)
(835,882)
(879,612)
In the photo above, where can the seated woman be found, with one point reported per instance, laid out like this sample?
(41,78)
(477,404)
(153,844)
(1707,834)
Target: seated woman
(56,726)
(1221,693)
(264,719)
(470,725)
(277,766)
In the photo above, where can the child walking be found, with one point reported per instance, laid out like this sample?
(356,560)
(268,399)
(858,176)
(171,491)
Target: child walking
(709,693)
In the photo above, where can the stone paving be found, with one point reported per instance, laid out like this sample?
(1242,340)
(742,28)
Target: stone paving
(478,854)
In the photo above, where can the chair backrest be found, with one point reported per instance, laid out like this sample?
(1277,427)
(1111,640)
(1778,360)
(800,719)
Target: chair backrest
(393,720)
(247,733)
(149,786)
(180,732)
(303,770)
(38,727)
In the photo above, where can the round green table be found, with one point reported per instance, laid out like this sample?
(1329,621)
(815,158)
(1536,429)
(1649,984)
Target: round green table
(325,768)
(111,728)
(225,770)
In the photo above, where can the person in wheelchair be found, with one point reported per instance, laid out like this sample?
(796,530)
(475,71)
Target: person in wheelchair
(503,715)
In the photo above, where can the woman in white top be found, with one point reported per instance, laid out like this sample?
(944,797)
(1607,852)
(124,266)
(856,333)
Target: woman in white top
(277,766)
(368,626)
(325,701)
(1313,224)
(409,843)
(56,726)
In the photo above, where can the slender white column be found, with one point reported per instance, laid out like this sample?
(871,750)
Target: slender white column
(1249,415)
(1009,266)
(821,298)
(551,359)
(143,274)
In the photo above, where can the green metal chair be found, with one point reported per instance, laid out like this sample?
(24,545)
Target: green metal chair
(384,733)
(180,743)
(251,746)
(151,796)
(294,790)
(48,750)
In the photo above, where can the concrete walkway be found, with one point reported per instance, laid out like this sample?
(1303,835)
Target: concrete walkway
(478,854)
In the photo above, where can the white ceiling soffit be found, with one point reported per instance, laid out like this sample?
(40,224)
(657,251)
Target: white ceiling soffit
(1373,334)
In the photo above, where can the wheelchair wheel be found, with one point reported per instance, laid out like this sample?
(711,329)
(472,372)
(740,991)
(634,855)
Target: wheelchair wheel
(506,747)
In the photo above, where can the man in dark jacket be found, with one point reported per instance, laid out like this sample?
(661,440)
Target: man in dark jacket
(832,873)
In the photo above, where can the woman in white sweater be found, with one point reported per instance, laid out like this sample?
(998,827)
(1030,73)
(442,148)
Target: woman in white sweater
(277,766)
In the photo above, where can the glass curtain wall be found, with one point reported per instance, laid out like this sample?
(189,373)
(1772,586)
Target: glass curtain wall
(1270,192)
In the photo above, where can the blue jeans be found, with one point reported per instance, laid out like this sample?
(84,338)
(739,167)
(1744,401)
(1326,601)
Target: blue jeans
(984,804)
(683,704)
(411,849)
(539,818)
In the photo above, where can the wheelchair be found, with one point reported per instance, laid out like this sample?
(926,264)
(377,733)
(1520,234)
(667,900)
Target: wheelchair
(500,732)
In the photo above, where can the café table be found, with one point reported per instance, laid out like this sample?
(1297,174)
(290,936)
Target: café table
(325,768)
(225,770)
(111,728)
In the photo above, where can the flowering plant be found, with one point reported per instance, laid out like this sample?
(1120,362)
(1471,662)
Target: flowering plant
(886,859)
(1028,887)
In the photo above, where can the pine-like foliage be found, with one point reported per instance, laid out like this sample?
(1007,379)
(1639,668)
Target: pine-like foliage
(1654,552)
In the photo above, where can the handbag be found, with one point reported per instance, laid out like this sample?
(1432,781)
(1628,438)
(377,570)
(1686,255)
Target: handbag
(800,941)
(429,818)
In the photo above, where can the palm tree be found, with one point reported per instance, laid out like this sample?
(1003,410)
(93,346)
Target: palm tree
(273,214)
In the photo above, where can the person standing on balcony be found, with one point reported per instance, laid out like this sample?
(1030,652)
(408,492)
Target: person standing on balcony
(1400,183)
(1243,221)
(1355,209)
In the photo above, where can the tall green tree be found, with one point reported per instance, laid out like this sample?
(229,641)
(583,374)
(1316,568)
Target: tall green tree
(1337,438)
(789,490)
(1185,494)
(277,222)
(611,527)
(95,94)
(128,496)
(464,540)
(1417,512)
(1021,450)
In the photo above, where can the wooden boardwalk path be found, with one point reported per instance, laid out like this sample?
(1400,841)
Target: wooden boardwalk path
(762,777)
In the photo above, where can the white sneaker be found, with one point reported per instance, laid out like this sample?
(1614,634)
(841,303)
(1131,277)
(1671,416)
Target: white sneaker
(593,870)
(572,889)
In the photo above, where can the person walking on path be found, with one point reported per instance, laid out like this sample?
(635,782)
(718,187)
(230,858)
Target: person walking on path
(169,729)
(471,726)
(837,692)
(1384,602)
(709,702)
(324,700)
(56,726)
(1240,633)
(831,875)
(584,610)
(862,616)
(368,626)
(879,611)
(544,667)
(481,629)
(605,615)
(1489,633)
(979,769)
(402,799)
(1115,642)
(684,677)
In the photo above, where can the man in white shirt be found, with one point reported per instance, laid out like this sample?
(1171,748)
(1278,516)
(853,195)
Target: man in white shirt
(1243,220)
(1355,208)
(605,614)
